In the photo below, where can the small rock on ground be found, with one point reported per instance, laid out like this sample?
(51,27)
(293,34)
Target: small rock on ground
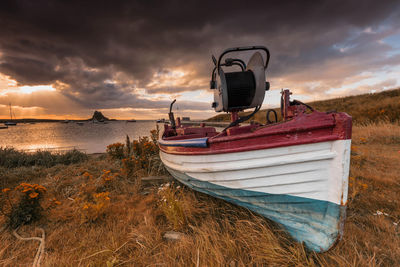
(173,236)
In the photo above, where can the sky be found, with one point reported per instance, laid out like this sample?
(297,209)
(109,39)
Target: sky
(130,59)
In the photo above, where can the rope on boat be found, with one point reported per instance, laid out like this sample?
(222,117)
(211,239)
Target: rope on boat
(275,114)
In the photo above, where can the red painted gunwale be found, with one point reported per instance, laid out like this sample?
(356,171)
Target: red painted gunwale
(303,129)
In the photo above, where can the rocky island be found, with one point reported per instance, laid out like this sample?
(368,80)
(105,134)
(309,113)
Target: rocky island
(98,116)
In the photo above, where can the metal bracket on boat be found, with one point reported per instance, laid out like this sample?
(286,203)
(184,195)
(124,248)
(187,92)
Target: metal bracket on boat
(228,63)
(290,109)
(246,48)
(171,115)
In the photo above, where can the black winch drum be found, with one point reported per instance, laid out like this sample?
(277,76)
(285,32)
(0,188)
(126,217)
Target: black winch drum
(241,87)
(240,90)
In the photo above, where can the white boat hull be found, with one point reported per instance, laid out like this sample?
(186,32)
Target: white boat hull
(302,187)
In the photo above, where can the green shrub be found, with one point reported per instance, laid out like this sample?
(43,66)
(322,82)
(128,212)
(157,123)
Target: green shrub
(140,157)
(71,157)
(115,151)
(92,201)
(22,205)
(12,158)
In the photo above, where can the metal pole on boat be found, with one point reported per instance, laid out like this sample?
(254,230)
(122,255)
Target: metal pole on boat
(171,115)
(234,116)
(285,104)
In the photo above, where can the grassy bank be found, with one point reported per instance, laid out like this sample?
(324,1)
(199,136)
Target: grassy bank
(12,158)
(99,213)
(367,108)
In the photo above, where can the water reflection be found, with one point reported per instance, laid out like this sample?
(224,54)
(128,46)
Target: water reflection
(90,137)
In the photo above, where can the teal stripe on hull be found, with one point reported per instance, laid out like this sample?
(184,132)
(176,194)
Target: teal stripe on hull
(317,223)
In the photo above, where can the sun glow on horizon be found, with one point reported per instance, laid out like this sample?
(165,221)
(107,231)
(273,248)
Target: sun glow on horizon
(30,89)
(9,85)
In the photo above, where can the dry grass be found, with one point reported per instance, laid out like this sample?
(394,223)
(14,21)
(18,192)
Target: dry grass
(216,233)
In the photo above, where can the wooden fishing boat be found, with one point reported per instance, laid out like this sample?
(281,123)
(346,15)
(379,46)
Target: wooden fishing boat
(293,172)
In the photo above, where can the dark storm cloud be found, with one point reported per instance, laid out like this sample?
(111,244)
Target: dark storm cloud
(98,53)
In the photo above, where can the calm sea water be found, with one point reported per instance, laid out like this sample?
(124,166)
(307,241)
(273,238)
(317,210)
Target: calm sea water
(57,136)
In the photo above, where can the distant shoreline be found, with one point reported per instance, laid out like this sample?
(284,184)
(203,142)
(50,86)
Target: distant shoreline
(51,120)
(34,120)
(194,122)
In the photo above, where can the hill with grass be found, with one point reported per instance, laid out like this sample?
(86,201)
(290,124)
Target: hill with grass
(366,108)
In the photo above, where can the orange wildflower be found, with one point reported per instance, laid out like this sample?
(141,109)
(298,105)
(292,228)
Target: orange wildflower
(40,188)
(33,195)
